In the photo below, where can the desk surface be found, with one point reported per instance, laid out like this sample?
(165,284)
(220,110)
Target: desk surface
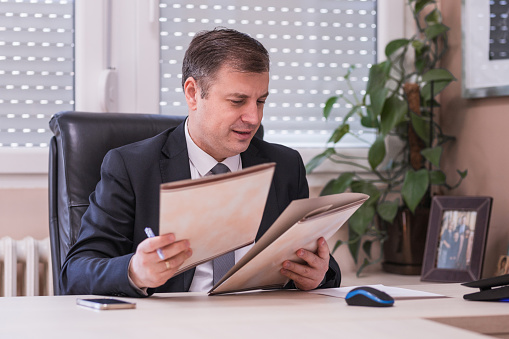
(261,315)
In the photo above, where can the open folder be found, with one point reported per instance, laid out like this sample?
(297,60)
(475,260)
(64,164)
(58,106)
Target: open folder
(218,213)
(222,213)
(300,225)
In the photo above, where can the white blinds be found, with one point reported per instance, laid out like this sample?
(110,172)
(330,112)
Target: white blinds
(311,43)
(36,68)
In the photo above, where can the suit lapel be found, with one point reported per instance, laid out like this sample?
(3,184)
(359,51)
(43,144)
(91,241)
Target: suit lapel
(174,162)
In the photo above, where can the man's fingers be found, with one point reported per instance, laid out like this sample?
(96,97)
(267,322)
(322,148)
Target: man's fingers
(152,244)
(175,248)
(323,248)
(301,270)
(173,264)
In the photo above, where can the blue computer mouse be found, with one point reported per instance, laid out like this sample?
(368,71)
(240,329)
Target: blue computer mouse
(368,296)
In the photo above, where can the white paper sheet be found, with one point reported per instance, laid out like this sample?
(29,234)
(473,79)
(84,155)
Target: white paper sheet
(397,293)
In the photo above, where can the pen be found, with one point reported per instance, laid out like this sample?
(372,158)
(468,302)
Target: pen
(151,234)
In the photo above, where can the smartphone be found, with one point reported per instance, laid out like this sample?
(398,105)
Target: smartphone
(105,303)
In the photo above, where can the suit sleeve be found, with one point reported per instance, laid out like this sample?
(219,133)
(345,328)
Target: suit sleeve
(98,262)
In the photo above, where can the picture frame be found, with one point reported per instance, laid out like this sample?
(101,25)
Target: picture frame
(456,239)
(484,47)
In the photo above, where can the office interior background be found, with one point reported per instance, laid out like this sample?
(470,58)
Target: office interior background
(125,56)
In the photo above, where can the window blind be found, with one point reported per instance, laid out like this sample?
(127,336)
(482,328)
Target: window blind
(36,68)
(311,43)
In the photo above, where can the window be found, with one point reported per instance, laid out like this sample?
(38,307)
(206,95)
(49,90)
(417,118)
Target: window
(311,43)
(36,68)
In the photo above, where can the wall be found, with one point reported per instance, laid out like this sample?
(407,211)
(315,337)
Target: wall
(480,126)
(24,212)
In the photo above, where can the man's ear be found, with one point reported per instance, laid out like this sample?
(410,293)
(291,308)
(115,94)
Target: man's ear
(191,91)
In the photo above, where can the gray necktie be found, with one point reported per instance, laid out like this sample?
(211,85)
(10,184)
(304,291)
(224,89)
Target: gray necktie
(222,264)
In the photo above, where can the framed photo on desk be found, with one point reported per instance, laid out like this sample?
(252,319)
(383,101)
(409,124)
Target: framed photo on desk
(456,241)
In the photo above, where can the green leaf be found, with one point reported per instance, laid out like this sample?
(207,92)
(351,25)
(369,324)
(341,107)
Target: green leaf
(354,243)
(387,210)
(338,185)
(418,46)
(339,133)
(434,31)
(361,219)
(438,86)
(462,174)
(377,152)
(394,112)
(420,4)
(433,155)
(394,45)
(421,127)
(366,247)
(336,245)
(414,187)
(437,177)
(433,17)
(369,120)
(365,264)
(437,74)
(366,188)
(328,106)
(378,76)
(318,159)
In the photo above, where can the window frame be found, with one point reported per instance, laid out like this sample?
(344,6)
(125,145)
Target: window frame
(138,76)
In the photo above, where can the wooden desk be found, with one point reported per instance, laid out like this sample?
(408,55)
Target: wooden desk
(261,315)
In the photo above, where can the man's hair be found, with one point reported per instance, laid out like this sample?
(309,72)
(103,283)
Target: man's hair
(210,50)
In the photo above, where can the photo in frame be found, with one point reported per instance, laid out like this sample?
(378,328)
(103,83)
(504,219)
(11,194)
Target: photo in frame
(502,265)
(456,240)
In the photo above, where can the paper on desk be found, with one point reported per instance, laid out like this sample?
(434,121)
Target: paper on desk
(397,293)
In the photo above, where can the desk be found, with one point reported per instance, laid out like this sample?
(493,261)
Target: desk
(261,315)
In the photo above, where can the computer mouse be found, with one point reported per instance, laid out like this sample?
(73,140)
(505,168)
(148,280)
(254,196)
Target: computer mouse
(368,296)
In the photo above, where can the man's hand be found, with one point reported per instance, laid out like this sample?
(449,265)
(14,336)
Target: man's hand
(148,270)
(309,275)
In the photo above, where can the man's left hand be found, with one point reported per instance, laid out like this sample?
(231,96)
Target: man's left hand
(309,275)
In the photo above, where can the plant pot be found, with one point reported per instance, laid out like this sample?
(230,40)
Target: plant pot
(404,248)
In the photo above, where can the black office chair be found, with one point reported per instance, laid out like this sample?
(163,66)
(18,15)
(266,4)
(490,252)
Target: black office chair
(76,153)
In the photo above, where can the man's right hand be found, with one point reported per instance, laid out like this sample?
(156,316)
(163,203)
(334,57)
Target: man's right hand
(148,270)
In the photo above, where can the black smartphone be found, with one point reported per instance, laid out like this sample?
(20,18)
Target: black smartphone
(105,303)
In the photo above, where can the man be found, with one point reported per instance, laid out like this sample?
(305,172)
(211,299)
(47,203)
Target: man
(225,81)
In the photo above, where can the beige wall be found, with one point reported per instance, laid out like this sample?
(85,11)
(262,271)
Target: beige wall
(481,129)
(24,212)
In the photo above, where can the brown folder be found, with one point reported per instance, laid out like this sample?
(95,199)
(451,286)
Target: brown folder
(218,213)
(300,225)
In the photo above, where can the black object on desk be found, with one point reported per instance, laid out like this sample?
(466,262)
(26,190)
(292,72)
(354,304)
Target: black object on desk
(368,296)
(491,289)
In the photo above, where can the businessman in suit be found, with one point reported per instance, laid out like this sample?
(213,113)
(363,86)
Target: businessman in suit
(225,81)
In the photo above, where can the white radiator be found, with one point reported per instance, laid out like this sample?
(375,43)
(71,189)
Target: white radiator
(25,267)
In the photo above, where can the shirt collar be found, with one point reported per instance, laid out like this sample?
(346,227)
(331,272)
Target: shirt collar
(202,161)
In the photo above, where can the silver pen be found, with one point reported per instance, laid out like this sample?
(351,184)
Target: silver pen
(151,234)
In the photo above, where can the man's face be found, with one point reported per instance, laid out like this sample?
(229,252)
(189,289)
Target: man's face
(223,123)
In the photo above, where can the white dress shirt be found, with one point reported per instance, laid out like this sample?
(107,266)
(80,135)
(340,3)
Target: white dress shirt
(200,164)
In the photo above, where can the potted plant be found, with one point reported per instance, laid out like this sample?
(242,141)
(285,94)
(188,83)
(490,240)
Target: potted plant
(398,104)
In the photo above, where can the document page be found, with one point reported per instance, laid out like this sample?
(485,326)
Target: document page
(396,292)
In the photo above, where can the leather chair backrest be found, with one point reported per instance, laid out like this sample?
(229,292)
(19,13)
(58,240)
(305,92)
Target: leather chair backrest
(80,142)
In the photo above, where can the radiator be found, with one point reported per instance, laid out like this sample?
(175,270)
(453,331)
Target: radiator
(25,267)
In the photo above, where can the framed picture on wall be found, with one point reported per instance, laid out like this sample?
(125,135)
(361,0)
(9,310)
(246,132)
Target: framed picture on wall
(456,241)
(485,48)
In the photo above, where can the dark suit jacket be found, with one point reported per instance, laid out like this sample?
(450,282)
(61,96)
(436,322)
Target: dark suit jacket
(126,200)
